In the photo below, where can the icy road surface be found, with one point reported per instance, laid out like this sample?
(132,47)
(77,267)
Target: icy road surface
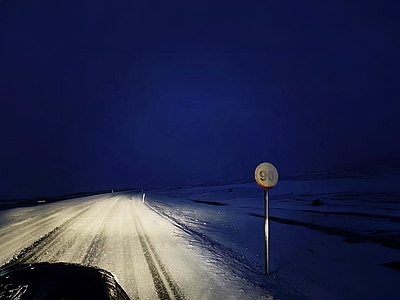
(117,232)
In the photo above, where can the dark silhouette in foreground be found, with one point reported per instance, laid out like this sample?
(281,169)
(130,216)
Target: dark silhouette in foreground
(58,281)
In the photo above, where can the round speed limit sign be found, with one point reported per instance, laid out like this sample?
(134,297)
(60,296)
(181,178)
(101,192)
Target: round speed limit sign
(266,175)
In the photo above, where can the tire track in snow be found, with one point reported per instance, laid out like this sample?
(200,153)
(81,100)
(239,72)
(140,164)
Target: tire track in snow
(129,274)
(33,251)
(32,228)
(98,242)
(165,286)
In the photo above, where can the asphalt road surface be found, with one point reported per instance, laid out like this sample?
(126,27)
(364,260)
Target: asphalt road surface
(116,232)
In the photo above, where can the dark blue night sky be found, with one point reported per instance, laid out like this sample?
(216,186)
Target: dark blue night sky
(110,94)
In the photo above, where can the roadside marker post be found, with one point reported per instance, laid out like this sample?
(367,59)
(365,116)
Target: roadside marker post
(266,177)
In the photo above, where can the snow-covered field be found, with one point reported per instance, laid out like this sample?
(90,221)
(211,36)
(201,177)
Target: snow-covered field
(346,248)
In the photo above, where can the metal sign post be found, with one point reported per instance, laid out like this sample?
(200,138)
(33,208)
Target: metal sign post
(266,230)
(266,177)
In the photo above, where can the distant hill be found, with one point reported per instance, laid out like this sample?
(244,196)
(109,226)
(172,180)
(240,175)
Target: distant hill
(389,160)
(388,163)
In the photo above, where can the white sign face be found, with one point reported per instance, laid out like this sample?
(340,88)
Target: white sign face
(266,175)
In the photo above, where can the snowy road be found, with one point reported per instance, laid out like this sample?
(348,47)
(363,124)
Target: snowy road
(118,233)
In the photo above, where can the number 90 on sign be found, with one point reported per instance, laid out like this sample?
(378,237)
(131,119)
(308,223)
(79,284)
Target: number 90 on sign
(266,175)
